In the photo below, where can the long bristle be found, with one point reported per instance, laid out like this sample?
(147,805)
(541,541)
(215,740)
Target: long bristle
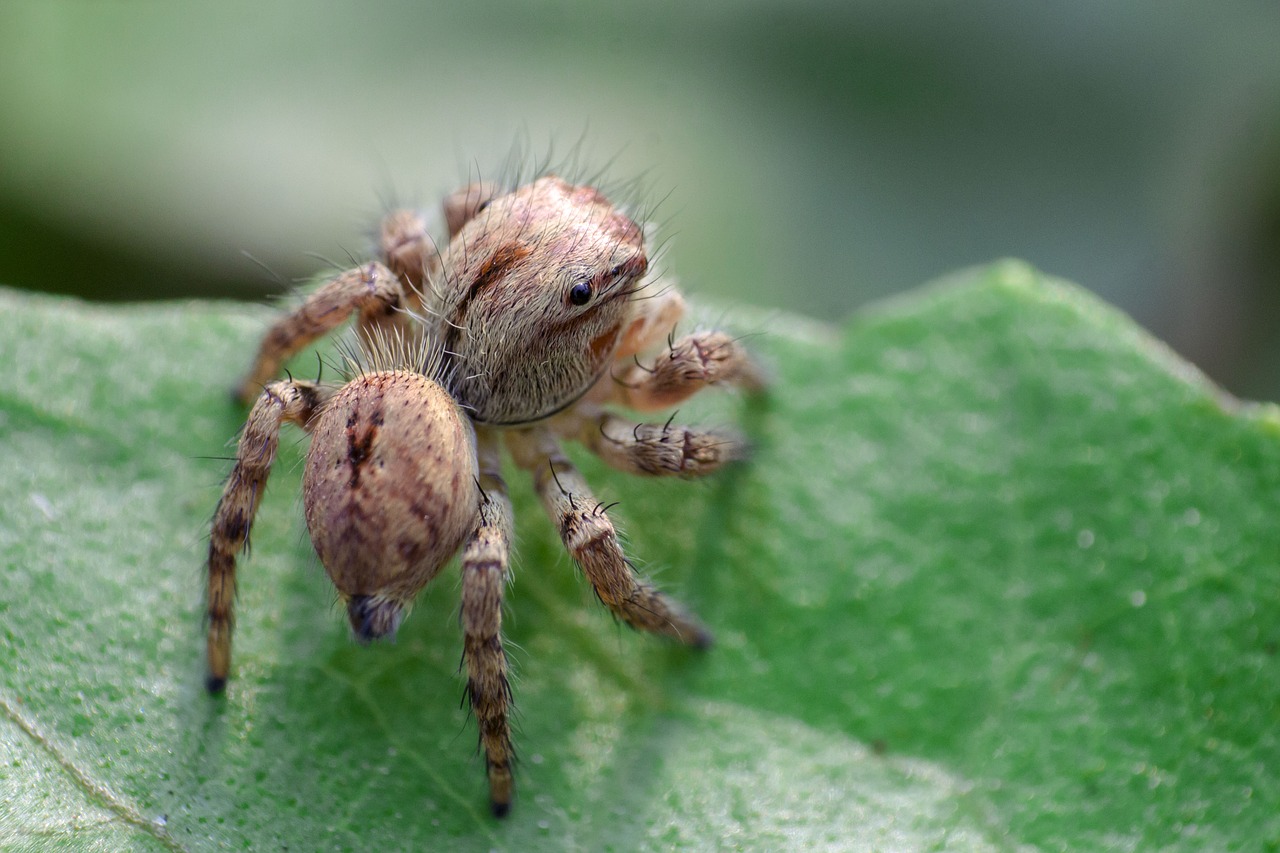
(392,349)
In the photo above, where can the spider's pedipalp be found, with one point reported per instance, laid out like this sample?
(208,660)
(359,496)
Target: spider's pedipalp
(292,401)
(688,365)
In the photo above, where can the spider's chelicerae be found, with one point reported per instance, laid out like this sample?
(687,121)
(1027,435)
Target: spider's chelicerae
(536,317)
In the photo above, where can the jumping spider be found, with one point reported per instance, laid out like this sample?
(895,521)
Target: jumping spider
(519,333)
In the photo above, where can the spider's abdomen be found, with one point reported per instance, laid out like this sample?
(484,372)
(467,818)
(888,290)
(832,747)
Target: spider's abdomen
(390,491)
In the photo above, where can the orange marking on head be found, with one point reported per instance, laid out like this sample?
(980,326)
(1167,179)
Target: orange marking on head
(503,258)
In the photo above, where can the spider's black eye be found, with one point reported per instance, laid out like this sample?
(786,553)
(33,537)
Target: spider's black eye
(580,293)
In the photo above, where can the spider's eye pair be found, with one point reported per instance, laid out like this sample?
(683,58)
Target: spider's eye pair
(581,293)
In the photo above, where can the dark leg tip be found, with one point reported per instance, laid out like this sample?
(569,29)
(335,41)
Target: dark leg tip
(500,809)
(702,640)
(215,684)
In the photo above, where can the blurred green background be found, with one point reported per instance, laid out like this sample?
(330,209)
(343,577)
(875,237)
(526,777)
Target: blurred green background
(809,155)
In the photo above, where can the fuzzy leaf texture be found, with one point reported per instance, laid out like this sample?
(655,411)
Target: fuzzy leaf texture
(1003,573)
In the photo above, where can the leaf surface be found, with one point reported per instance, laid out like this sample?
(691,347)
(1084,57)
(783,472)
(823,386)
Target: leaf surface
(1002,573)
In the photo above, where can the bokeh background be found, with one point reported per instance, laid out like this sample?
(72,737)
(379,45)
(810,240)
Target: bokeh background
(808,155)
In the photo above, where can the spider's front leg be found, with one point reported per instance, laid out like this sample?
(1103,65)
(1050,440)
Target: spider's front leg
(296,402)
(653,450)
(372,289)
(484,578)
(592,541)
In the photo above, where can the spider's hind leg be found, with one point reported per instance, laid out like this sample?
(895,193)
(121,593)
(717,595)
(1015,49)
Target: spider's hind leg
(462,205)
(296,402)
(373,290)
(405,241)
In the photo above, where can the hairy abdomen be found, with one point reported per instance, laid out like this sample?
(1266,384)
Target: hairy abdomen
(390,488)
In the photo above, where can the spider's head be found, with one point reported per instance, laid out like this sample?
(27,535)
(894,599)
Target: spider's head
(534,294)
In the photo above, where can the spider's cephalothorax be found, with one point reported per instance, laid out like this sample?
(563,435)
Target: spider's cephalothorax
(534,315)
(523,332)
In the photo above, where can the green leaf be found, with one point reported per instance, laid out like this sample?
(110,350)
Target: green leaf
(1003,572)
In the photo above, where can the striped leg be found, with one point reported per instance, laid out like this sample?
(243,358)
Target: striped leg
(372,290)
(655,450)
(291,401)
(484,578)
(591,540)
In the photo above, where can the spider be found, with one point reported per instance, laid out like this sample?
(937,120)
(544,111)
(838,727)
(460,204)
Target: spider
(521,332)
